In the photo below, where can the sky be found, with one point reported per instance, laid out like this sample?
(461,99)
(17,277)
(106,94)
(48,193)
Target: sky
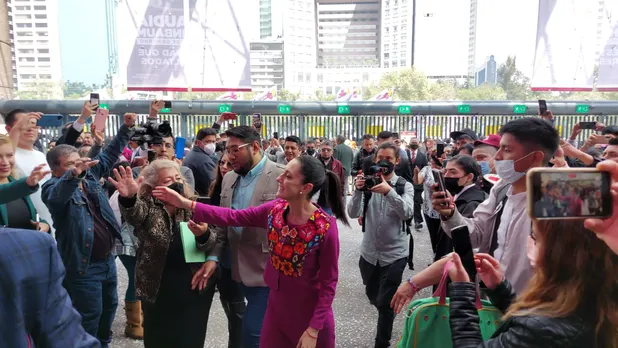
(83,40)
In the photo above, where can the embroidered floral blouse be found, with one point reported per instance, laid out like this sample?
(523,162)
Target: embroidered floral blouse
(303,259)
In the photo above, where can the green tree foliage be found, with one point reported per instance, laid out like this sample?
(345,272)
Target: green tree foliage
(284,94)
(76,90)
(39,90)
(321,96)
(514,83)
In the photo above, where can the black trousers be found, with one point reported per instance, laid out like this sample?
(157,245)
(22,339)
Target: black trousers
(381,283)
(233,302)
(179,316)
(433,226)
(418,206)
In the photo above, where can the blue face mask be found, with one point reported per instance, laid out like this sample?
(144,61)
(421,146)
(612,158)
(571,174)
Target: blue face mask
(485,169)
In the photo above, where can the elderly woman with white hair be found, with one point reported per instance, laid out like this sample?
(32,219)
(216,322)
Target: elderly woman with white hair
(175,315)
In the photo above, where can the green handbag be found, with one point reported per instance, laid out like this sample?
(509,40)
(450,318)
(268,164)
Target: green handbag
(427,320)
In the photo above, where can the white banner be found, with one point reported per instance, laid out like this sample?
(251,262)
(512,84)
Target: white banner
(170,45)
(565,45)
(608,61)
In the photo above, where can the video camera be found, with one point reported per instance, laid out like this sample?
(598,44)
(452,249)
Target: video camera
(374,176)
(152,132)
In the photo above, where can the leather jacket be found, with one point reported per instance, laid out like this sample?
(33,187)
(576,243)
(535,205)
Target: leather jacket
(526,331)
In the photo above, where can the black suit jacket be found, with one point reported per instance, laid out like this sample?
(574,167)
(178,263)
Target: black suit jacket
(69,137)
(406,169)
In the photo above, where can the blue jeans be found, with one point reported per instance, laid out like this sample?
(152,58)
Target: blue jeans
(129,264)
(95,297)
(257,298)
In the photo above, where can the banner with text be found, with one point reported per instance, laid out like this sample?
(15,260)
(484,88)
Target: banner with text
(607,79)
(171,45)
(565,45)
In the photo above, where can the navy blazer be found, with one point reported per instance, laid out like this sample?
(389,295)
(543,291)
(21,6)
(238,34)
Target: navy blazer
(36,310)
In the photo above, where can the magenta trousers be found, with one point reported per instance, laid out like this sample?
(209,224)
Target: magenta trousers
(284,325)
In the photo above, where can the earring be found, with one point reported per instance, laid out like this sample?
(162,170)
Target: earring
(301,192)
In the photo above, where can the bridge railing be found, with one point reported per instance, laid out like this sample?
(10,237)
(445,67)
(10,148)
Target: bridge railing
(434,119)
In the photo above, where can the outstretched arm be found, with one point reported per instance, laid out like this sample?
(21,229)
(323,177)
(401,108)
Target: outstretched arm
(250,217)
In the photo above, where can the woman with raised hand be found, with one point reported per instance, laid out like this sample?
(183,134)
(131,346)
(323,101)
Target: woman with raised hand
(302,270)
(174,314)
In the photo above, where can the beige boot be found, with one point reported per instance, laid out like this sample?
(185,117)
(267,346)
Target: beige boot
(133,328)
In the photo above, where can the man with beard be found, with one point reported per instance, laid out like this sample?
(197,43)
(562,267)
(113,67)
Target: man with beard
(253,182)
(461,138)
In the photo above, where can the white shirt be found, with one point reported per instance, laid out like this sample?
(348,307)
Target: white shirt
(25,161)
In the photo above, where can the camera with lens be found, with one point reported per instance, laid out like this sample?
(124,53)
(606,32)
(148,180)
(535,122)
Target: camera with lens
(152,132)
(374,176)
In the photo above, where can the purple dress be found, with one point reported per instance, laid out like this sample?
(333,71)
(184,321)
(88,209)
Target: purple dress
(302,270)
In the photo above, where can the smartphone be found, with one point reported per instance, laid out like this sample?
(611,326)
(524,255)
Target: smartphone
(463,247)
(276,135)
(94,99)
(440,149)
(180,147)
(588,125)
(542,107)
(151,156)
(257,120)
(568,193)
(438,178)
(100,118)
(167,104)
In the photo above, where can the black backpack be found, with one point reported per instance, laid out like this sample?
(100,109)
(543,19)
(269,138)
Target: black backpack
(400,188)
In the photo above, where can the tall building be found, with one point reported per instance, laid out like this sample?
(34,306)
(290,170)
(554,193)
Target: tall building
(33,27)
(396,33)
(441,40)
(348,33)
(267,64)
(299,49)
(487,72)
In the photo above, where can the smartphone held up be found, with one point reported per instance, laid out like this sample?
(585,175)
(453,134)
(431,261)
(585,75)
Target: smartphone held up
(569,193)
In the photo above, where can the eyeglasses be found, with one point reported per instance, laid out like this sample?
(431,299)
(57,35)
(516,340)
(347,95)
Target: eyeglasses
(326,150)
(234,150)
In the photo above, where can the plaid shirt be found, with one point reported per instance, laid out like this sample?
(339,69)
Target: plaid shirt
(36,310)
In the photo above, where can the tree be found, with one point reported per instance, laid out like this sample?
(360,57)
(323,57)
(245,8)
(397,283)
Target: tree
(409,84)
(75,90)
(482,92)
(39,90)
(443,90)
(321,96)
(284,94)
(513,82)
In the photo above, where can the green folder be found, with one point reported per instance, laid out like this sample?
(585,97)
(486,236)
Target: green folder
(189,246)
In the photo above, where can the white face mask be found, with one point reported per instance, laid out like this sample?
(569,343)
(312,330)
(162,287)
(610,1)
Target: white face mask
(209,148)
(532,251)
(506,170)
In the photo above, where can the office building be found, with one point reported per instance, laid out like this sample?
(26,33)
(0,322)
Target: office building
(396,33)
(348,33)
(299,49)
(33,28)
(267,64)
(441,40)
(486,73)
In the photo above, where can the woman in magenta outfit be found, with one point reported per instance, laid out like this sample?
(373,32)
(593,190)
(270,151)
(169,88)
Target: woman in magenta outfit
(302,270)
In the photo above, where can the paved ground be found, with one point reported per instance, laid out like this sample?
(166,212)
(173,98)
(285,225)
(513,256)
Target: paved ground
(354,317)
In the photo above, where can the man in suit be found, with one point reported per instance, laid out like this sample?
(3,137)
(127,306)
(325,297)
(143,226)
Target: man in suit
(200,162)
(417,159)
(35,308)
(253,182)
(292,148)
(344,154)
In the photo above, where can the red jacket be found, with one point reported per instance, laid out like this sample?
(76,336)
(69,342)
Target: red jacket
(337,168)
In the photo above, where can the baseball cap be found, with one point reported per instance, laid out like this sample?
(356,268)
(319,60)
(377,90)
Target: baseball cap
(466,131)
(492,140)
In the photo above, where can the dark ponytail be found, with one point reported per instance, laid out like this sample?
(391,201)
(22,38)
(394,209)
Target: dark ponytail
(326,182)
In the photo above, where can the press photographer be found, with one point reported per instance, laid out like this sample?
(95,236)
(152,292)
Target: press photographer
(384,250)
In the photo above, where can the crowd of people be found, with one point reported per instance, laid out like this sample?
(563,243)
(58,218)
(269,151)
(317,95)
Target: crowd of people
(257,220)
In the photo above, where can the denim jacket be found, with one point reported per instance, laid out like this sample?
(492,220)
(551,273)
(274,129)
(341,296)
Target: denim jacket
(72,219)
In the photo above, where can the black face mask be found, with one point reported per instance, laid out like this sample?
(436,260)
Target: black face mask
(310,152)
(388,165)
(455,153)
(178,187)
(414,146)
(452,185)
(78,144)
